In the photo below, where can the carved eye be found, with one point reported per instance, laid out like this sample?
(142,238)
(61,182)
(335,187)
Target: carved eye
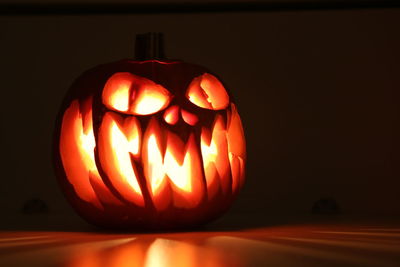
(132,94)
(206,91)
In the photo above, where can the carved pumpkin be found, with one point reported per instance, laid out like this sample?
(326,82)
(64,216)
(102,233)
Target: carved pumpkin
(149,144)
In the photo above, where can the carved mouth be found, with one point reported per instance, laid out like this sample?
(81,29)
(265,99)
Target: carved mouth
(176,173)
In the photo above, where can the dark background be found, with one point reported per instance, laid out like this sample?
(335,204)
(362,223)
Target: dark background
(317,91)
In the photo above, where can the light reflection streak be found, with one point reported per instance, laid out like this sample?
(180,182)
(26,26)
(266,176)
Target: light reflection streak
(60,250)
(359,233)
(157,252)
(296,246)
(21,238)
(260,249)
(340,243)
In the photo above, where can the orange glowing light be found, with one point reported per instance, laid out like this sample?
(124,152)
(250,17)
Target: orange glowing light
(179,172)
(132,94)
(237,148)
(155,171)
(163,252)
(116,93)
(215,158)
(118,140)
(178,168)
(172,167)
(150,99)
(77,145)
(157,252)
(206,91)
(171,115)
(135,154)
(189,118)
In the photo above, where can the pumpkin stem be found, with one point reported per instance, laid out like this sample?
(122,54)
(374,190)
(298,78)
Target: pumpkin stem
(149,46)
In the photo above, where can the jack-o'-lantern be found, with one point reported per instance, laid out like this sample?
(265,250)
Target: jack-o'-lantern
(149,144)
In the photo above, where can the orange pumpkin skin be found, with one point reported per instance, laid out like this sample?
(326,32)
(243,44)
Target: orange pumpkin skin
(149,145)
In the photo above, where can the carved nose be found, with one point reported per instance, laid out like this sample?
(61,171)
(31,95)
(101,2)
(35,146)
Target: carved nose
(171,116)
(188,117)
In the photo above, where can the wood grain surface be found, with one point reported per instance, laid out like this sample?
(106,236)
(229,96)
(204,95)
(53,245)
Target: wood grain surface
(350,244)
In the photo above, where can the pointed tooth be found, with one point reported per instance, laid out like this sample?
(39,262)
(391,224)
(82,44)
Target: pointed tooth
(132,131)
(153,156)
(186,178)
(209,153)
(175,148)
(153,150)
(217,153)
(115,158)
(77,151)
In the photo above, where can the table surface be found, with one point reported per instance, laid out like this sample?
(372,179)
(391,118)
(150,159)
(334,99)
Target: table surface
(286,244)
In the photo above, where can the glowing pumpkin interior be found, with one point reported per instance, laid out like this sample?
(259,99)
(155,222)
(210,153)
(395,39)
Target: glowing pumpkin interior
(136,158)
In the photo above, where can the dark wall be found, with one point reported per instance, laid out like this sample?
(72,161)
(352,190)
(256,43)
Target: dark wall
(317,92)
